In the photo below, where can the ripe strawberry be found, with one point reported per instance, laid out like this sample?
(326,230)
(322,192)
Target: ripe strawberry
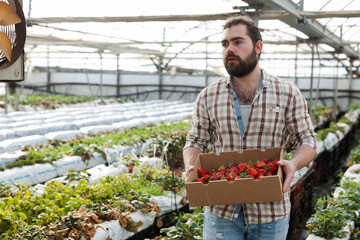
(202,172)
(204,179)
(260,164)
(265,160)
(262,171)
(242,166)
(272,167)
(268,174)
(232,175)
(252,172)
(198,180)
(214,178)
(235,170)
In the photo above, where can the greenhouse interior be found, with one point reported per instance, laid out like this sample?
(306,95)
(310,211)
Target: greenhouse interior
(98,103)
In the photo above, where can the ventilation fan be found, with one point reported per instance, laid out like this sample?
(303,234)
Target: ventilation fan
(12,41)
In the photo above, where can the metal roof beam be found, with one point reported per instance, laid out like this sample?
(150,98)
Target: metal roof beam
(264,15)
(312,28)
(100,46)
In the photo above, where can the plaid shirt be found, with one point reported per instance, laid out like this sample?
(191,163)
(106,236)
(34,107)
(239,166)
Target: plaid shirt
(277,110)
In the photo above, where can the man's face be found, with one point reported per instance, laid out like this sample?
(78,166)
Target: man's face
(239,53)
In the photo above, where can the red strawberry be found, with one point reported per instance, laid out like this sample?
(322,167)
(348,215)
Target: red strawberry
(242,166)
(204,179)
(202,172)
(272,167)
(252,172)
(261,164)
(262,171)
(268,174)
(214,178)
(232,175)
(265,160)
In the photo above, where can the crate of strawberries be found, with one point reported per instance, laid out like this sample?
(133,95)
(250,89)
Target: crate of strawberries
(231,178)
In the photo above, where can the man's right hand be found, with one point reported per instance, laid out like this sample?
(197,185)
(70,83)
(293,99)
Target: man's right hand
(188,171)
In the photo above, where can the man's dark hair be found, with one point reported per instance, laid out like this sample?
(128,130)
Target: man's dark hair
(252,30)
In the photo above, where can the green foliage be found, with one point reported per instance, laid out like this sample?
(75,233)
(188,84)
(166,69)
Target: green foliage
(24,209)
(158,180)
(332,215)
(322,133)
(345,120)
(88,145)
(355,155)
(51,101)
(353,107)
(189,226)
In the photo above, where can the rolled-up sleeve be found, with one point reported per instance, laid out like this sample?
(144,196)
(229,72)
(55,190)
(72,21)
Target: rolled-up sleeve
(299,123)
(200,132)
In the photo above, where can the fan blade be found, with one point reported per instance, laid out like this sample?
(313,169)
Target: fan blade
(7,15)
(5,45)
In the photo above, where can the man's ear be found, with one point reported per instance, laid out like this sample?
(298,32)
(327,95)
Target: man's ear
(258,48)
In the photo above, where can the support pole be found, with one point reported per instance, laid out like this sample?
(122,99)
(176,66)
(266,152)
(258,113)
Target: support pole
(101,76)
(296,63)
(206,62)
(161,77)
(311,82)
(336,80)
(6,97)
(350,80)
(117,76)
(48,70)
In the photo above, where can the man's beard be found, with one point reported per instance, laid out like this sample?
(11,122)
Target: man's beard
(243,67)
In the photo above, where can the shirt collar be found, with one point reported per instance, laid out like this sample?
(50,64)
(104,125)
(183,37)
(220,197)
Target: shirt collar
(263,83)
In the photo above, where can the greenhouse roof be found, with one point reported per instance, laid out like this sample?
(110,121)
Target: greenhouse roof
(144,35)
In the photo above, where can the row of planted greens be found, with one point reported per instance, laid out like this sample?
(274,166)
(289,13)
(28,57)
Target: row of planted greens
(51,101)
(76,210)
(86,146)
(335,213)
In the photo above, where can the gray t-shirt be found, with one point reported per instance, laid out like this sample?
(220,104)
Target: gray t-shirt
(245,111)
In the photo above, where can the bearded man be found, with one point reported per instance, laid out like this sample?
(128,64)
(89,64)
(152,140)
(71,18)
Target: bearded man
(247,110)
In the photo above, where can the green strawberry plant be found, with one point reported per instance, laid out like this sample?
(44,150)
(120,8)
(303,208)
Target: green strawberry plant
(23,209)
(52,101)
(332,215)
(188,226)
(86,146)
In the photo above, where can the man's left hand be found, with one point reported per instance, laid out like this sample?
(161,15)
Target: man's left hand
(289,169)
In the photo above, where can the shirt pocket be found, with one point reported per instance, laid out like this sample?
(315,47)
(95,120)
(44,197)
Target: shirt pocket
(274,116)
(269,120)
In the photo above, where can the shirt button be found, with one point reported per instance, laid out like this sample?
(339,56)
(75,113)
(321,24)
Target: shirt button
(244,138)
(239,117)
(235,98)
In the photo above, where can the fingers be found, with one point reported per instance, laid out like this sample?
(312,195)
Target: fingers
(287,182)
(289,174)
(188,171)
(282,162)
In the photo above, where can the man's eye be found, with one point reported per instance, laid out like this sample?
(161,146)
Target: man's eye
(225,44)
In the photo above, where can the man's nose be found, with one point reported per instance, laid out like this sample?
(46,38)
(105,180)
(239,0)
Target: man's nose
(230,48)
